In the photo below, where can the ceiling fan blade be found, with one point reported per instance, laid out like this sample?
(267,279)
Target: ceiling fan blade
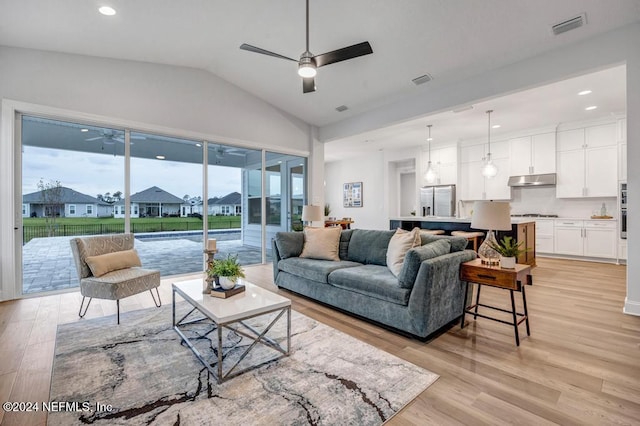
(343,54)
(254,49)
(308,85)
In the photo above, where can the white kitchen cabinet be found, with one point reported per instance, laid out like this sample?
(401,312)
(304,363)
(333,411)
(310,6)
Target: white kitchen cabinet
(600,239)
(622,249)
(622,161)
(544,236)
(587,169)
(473,186)
(590,238)
(568,237)
(444,161)
(533,154)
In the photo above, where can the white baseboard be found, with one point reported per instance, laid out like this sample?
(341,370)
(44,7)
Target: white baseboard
(631,307)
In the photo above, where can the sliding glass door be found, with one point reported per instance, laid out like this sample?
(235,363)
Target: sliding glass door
(171,193)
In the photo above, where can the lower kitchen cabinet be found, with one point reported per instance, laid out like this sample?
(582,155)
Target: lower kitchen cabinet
(544,236)
(585,238)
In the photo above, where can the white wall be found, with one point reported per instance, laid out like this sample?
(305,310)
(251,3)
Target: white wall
(173,100)
(368,170)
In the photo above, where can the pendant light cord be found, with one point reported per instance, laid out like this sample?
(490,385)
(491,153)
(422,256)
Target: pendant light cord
(489,131)
(429,140)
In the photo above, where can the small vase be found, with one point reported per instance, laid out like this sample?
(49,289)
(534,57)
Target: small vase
(227,283)
(507,262)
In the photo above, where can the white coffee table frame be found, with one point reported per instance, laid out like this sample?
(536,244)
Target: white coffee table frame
(253,302)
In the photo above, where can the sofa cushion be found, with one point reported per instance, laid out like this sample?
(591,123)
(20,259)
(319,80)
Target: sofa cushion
(313,269)
(289,244)
(416,256)
(369,247)
(321,243)
(109,262)
(457,243)
(345,238)
(371,280)
(399,245)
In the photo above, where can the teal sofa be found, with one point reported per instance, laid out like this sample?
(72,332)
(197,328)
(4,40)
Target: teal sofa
(426,296)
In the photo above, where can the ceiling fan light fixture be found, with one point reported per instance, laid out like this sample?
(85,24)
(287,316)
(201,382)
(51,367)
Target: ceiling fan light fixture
(107,11)
(306,67)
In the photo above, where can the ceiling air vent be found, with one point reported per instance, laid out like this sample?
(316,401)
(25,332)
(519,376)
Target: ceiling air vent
(422,79)
(569,24)
(342,108)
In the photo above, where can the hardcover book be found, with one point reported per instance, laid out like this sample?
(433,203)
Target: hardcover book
(223,294)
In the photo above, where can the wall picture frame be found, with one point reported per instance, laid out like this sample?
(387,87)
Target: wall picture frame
(352,194)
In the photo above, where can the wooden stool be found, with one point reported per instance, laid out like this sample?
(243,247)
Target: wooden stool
(432,231)
(471,236)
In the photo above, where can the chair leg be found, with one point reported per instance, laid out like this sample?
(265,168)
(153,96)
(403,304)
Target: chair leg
(118,309)
(80,314)
(159,302)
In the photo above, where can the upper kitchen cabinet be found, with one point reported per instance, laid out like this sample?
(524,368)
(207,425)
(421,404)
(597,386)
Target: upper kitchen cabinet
(587,161)
(444,161)
(473,186)
(533,154)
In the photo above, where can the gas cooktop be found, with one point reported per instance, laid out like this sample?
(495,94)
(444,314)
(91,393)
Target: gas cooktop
(534,215)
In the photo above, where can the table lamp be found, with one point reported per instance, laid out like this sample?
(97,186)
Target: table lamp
(311,214)
(490,216)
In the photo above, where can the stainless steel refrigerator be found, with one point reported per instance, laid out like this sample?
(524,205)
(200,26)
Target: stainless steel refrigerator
(438,200)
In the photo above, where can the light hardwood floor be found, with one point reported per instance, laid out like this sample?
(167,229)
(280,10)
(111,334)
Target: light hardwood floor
(581,365)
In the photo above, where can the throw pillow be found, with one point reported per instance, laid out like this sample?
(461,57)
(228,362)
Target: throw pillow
(105,263)
(401,242)
(416,256)
(321,243)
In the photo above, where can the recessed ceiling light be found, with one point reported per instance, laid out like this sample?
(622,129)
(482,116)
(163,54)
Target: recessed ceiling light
(84,130)
(429,139)
(160,157)
(591,108)
(584,92)
(106,10)
(496,126)
(198,145)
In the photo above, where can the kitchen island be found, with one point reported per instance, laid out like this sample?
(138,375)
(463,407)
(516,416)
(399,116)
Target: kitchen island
(523,229)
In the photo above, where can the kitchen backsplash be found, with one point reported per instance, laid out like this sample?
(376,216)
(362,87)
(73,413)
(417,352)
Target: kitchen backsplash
(543,201)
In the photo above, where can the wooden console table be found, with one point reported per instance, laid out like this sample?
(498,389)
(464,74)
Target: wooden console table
(495,276)
(346,224)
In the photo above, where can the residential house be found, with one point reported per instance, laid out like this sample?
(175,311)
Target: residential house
(66,202)
(191,206)
(152,202)
(229,205)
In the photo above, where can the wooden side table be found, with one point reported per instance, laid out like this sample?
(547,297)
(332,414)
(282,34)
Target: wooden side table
(345,224)
(495,276)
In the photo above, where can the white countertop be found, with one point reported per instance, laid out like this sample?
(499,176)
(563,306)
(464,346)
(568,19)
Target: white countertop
(468,219)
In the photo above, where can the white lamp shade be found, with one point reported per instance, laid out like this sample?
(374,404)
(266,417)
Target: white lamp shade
(311,213)
(491,215)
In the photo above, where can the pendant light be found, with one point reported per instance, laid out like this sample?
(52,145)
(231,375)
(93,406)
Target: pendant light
(489,169)
(430,175)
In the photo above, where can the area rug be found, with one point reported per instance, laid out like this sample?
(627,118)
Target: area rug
(141,373)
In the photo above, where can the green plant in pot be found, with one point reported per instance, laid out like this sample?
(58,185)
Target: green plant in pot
(509,250)
(327,210)
(227,270)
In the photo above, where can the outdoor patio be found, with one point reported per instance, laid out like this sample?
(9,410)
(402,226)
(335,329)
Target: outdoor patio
(48,262)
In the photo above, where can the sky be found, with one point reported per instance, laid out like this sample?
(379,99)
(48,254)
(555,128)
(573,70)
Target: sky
(94,174)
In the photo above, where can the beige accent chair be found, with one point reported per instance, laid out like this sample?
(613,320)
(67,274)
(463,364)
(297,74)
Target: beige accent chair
(114,285)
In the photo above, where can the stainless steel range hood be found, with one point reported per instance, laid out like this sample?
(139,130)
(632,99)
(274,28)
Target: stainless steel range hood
(533,180)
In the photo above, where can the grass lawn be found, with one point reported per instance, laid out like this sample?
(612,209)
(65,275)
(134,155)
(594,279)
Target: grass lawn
(67,226)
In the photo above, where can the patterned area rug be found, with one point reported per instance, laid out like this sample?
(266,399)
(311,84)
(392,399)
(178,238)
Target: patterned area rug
(141,373)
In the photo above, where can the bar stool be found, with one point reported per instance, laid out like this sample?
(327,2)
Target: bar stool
(432,231)
(471,236)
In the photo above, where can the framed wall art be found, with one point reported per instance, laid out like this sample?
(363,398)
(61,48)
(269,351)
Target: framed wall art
(352,194)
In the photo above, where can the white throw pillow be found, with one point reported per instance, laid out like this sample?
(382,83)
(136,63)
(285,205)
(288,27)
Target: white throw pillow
(401,242)
(321,243)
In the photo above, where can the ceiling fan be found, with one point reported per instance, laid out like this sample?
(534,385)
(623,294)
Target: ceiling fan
(308,63)
(110,137)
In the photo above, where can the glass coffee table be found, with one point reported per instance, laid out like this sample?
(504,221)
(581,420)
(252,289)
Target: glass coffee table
(232,314)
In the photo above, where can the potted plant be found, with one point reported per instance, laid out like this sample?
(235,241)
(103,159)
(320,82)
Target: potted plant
(227,270)
(509,251)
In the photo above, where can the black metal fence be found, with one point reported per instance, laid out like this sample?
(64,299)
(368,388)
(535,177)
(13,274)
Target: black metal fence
(66,230)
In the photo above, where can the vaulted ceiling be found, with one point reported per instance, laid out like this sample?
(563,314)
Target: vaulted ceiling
(448,40)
